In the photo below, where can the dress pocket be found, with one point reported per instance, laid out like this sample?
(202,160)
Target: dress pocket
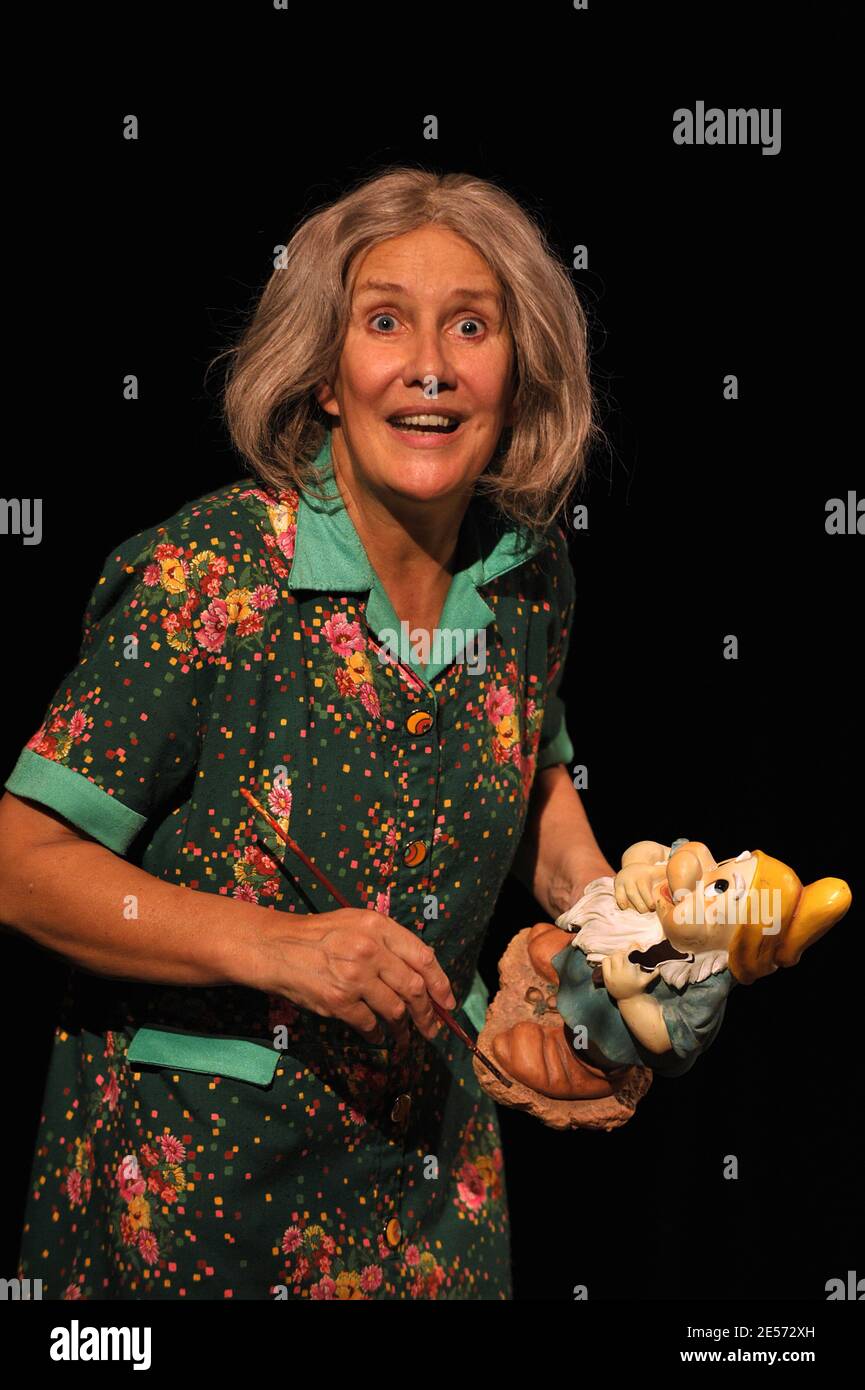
(237,1058)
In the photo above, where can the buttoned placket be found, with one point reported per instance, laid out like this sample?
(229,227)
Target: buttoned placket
(330,559)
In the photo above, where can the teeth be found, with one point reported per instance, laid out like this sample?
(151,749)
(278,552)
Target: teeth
(424,419)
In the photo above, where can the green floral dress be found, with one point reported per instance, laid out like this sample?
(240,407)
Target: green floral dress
(215,1143)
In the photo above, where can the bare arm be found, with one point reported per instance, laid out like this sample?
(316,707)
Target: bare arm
(558,854)
(70,894)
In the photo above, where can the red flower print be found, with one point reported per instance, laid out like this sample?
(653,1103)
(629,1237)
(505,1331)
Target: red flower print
(369,700)
(471,1187)
(148,1246)
(292,1240)
(172,1149)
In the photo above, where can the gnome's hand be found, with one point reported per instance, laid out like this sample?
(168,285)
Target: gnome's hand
(622,977)
(634,886)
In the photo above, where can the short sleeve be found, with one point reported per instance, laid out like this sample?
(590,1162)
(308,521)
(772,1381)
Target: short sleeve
(694,1018)
(555,744)
(121,733)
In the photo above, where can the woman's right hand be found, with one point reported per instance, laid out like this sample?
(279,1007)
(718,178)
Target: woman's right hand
(352,964)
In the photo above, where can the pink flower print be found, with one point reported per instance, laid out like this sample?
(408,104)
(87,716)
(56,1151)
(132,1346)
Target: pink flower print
(285,541)
(499,703)
(71,1292)
(129,1178)
(150,1156)
(369,700)
(172,1149)
(73,1187)
(343,636)
(214,625)
(78,723)
(382,903)
(148,1246)
(245,893)
(279,801)
(152,575)
(371,1278)
(531,706)
(263,597)
(412,1255)
(471,1187)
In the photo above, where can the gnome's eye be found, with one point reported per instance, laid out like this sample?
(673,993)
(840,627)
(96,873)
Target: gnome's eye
(719,886)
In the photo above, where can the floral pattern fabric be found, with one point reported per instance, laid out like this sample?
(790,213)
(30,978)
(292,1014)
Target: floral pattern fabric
(361,1171)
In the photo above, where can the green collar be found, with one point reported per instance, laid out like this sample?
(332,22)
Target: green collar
(330,557)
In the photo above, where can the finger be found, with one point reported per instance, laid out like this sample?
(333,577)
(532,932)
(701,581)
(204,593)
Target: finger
(648,897)
(388,1005)
(636,899)
(363,1020)
(420,957)
(621,896)
(412,989)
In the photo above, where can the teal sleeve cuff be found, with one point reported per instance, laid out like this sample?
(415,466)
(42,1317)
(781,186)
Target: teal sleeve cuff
(77,798)
(559,750)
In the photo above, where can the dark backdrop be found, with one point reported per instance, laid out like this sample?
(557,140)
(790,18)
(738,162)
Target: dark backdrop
(706,518)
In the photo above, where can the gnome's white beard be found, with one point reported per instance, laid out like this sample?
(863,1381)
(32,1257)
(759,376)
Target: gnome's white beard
(604,927)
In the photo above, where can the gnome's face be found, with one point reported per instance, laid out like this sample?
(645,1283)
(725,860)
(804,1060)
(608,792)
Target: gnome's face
(701,902)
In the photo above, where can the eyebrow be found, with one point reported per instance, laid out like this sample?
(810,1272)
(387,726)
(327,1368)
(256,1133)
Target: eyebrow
(460,291)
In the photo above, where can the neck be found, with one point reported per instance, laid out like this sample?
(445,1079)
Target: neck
(401,535)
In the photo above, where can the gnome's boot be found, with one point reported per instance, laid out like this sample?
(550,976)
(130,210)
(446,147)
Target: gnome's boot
(545,941)
(543,1059)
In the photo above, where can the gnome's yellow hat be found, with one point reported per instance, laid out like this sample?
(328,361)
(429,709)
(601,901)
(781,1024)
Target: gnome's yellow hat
(804,914)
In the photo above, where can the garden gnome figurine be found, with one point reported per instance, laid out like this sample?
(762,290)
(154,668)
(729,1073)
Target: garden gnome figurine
(644,962)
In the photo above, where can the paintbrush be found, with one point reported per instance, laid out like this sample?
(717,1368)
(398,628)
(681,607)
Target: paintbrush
(295,848)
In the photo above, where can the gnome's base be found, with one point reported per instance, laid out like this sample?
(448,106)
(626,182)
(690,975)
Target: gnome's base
(510,1007)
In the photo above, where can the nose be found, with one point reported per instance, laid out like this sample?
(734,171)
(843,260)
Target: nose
(427,357)
(683,870)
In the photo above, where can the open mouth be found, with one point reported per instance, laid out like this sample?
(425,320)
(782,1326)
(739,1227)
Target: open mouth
(423,423)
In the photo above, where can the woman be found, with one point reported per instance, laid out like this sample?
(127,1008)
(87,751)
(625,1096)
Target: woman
(250,1094)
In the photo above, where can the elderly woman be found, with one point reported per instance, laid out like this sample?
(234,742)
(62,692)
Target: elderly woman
(250,1093)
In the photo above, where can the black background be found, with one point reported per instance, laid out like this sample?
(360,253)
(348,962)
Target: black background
(706,518)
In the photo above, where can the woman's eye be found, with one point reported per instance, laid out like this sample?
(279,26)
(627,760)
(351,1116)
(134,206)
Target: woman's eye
(464,321)
(386,317)
(719,886)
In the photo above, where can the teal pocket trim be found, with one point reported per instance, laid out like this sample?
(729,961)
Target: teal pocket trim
(476,1001)
(232,1057)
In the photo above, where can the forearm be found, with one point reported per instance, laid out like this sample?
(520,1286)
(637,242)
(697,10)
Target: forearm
(558,854)
(108,916)
(646,1021)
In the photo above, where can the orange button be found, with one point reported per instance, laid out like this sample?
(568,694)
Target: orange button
(393,1233)
(415,853)
(419,722)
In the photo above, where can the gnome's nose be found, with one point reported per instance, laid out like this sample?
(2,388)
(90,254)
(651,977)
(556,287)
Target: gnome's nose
(683,871)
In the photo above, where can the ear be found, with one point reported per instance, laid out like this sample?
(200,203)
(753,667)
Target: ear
(327,400)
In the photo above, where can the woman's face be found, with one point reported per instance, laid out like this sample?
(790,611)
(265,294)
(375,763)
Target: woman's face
(426,313)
